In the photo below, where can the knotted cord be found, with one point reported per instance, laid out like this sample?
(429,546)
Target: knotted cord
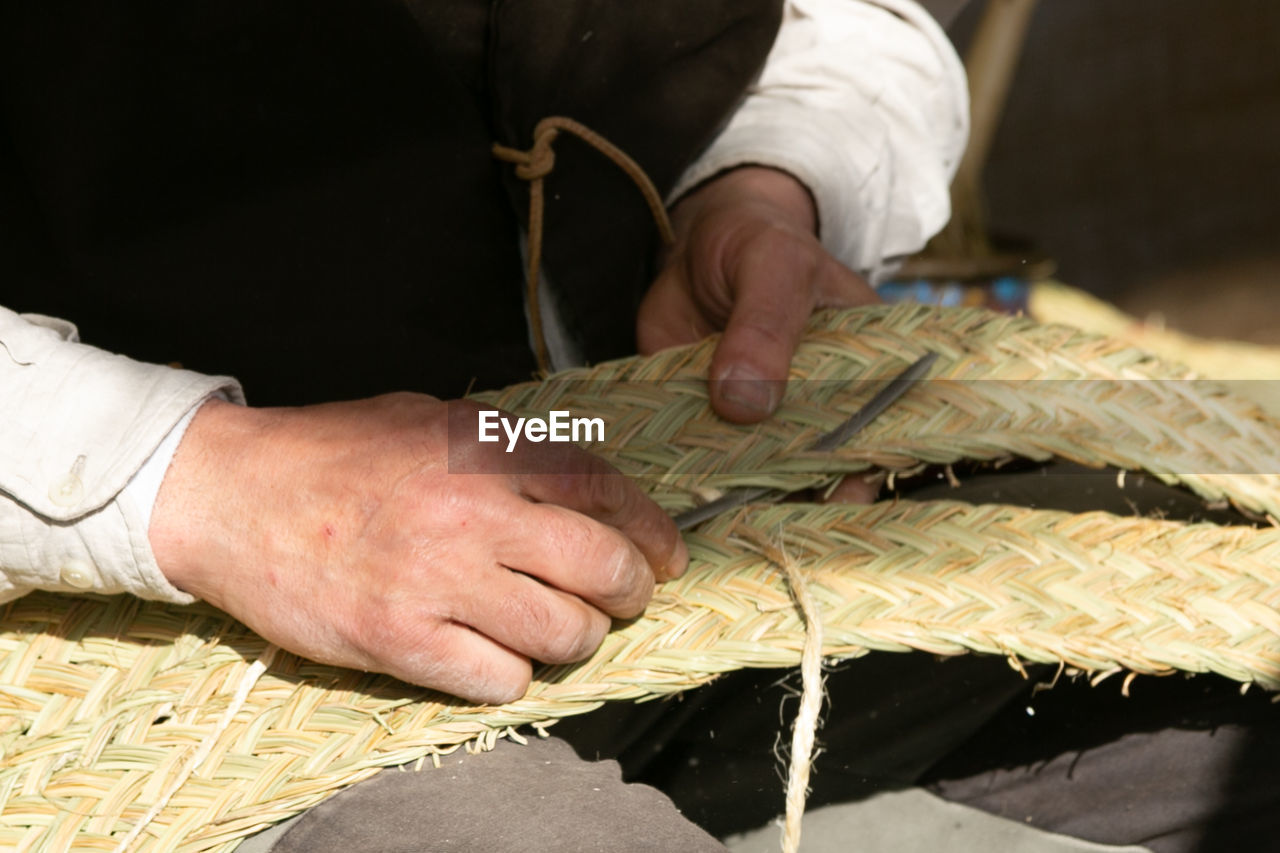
(533,166)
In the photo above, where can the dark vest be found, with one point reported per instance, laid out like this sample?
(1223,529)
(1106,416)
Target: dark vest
(301,193)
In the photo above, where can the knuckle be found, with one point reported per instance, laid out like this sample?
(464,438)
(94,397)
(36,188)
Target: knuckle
(551,633)
(406,408)
(581,636)
(381,638)
(774,236)
(623,582)
(451,509)
(605,568)
(492,677)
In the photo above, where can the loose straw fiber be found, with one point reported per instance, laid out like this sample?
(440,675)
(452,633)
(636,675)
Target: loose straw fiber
(155,727)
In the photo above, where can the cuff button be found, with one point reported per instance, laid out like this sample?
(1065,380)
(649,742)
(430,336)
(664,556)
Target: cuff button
(67,491)
(78,574)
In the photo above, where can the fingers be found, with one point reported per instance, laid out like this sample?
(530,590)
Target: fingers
(545,590)
(837,286)
(465,663)
(432,557)
(536,620)
(483,655)
(776,287)
(564,474)
(771,303)
(578,555)
(751,264)
(586,484)
(862,488)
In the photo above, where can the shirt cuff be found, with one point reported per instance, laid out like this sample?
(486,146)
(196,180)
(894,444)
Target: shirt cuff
(850,196)
(865,104)
(144,488)
(78,425)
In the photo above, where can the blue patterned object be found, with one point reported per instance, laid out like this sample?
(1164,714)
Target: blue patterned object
(1007,294)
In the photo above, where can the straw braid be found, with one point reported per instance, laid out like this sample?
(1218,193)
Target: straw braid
(105,699)
(1014,388)
(113,711)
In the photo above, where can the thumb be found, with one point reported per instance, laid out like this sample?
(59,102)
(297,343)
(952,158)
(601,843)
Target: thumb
(774,296)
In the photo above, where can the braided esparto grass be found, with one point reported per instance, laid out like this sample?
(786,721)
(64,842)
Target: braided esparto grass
(182,726)
(1003,387)
(115,693)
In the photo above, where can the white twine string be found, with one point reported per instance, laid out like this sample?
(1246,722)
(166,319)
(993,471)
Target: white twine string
(804,728)
(247,681)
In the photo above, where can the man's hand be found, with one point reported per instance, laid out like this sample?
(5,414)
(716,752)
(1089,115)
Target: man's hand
(746,260)
(350,533)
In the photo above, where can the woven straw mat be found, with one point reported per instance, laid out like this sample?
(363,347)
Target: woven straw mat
(137,725)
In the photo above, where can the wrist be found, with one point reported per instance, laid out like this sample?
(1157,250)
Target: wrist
(184,532)
(752,185)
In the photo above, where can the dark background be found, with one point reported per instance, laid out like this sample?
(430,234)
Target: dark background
(1140,147)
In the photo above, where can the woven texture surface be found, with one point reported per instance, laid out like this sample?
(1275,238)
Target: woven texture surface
(1052,301)
(179,725)
(1002,387)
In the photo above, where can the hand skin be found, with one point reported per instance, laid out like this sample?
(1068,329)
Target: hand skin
(340,532)
(746,260)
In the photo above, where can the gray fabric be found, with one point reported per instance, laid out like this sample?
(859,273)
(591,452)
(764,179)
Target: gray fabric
(539,797)
(914,821)
(1172,790)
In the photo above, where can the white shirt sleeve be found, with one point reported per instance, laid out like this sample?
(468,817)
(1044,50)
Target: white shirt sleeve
(866,103)
(76,425)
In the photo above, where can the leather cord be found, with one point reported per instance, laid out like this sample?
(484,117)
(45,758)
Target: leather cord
(533,166)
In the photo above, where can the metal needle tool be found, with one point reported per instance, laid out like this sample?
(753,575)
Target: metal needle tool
(887,396)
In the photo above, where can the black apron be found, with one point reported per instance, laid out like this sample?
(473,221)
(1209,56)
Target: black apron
(303,195)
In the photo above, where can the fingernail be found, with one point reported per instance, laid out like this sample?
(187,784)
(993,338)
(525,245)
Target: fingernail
(744,387)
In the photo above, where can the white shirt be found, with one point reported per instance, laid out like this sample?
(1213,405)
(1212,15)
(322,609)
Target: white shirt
(864,101)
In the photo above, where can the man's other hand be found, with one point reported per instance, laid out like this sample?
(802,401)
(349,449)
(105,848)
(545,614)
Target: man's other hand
(352,534)
(746,260)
